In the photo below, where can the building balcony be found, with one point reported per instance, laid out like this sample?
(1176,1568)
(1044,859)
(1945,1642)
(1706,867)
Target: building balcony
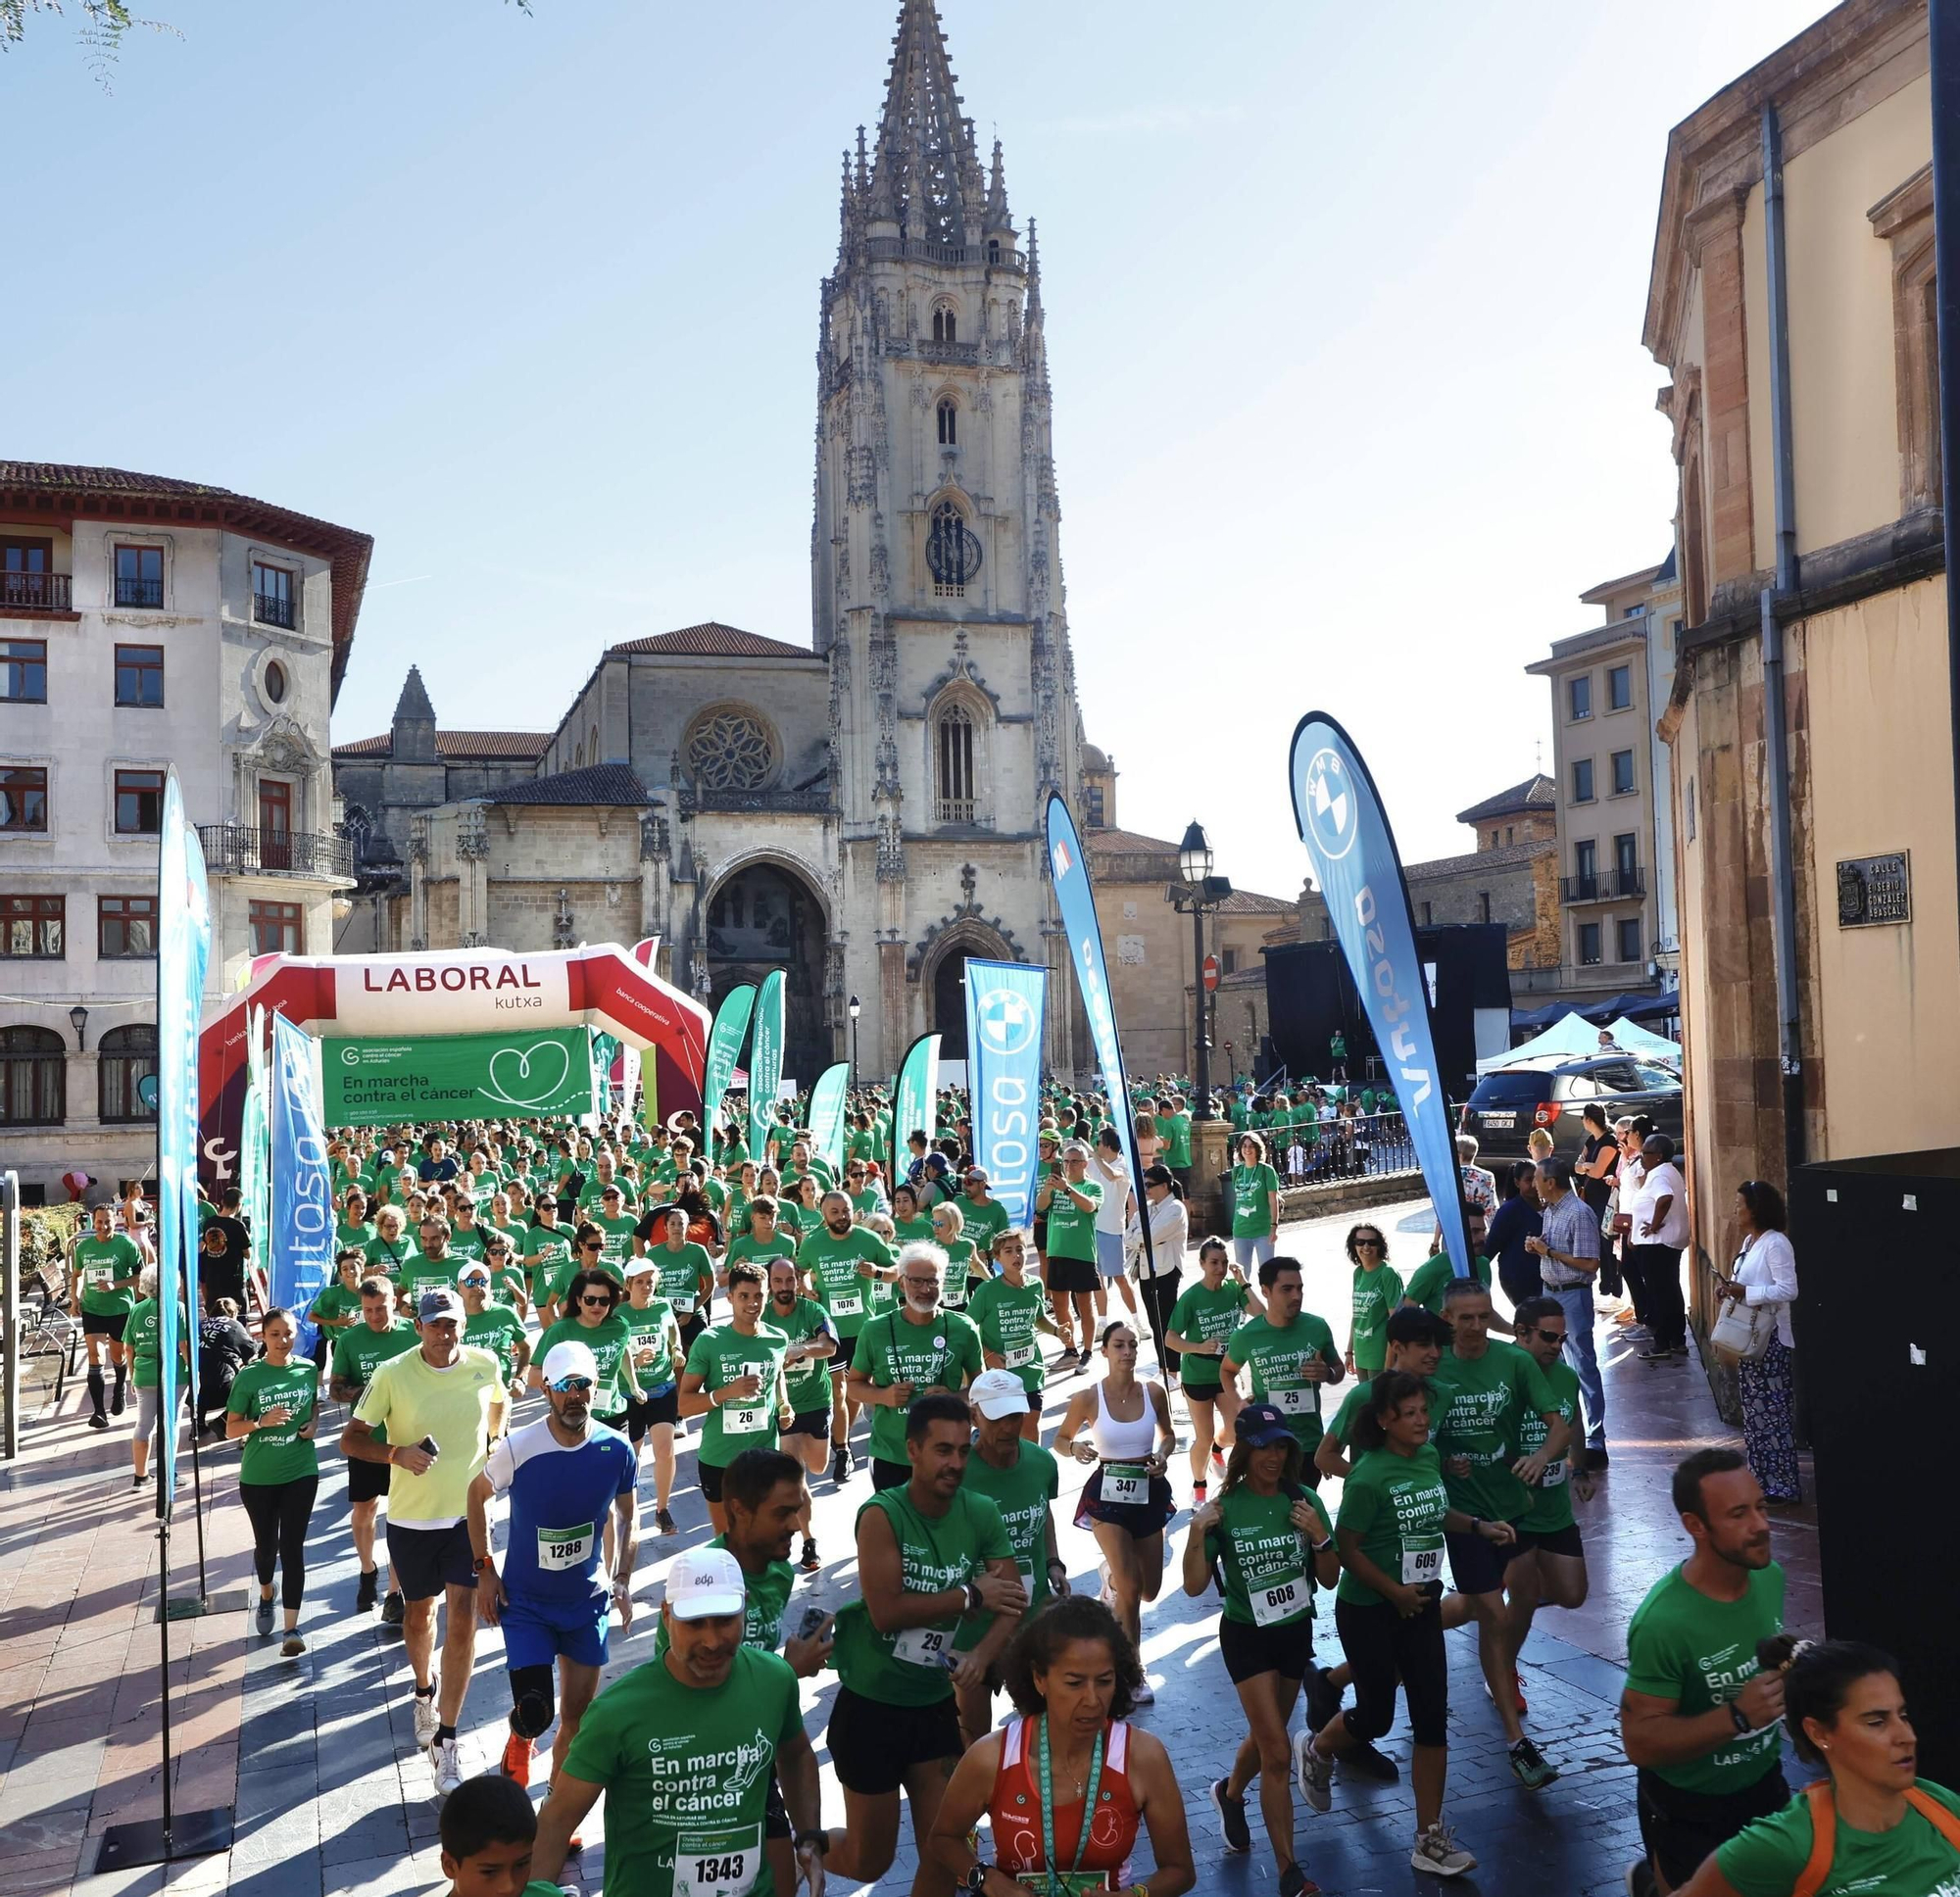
(139,593)
(36,593)
(275,610)
(949,355)
(239,850)
(1605,886)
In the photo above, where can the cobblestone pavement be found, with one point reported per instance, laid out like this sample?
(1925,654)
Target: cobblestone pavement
(331,1801)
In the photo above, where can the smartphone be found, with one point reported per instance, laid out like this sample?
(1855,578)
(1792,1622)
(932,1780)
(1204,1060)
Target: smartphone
(812,1619)
(429,1447)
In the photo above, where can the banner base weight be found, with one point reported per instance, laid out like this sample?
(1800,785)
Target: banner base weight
(194,1607)
(192,1835)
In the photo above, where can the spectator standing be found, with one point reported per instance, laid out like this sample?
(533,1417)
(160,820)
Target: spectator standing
(1518,1220)
(1660,1234)
(1567,1249)
(1160,1267)
(1765,1272)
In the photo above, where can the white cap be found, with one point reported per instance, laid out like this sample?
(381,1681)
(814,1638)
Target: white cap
(998,1393)
(635,1266)
(706,1581)
(473,1268)
(568,1358)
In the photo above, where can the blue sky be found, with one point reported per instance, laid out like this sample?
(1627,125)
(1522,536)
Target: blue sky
(1343,301)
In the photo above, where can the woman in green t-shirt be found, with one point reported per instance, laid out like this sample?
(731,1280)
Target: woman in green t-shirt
(1255,1205)
(1873,1823)
(273,1409)
(143,1333)
(1267,1542)
(591,1299)
(1198,1329)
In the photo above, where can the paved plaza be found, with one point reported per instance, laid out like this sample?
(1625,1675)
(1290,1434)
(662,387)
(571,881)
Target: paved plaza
(331,1799)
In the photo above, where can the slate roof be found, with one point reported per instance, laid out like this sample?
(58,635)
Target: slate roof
(712,640)
(520,744)
(1536,792)
(615,784)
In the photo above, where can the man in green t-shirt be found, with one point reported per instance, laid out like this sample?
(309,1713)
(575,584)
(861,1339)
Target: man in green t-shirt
(103,1270)
(1481,1394)
(1065,1205)
(805,1380)
(358,1352)
(844,1264)
(930,1552)
(1290,1354)
(982,1218)
(917,1349)
(734,1378)
(493,1327)
(684,1749)
(1699,1719)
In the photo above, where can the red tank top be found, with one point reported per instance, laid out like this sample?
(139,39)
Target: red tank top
(1015,1808)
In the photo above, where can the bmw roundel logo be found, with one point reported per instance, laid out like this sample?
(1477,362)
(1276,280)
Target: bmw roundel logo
(1330,804)
(1006,1020)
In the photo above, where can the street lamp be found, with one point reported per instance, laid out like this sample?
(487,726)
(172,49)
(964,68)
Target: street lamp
(1199,891)
(79,1020)
(855,1010)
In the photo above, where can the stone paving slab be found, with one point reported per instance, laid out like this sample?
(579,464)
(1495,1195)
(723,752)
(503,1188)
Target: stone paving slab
(314,1755)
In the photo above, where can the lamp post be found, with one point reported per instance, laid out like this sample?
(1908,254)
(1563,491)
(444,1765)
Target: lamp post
(856,1010)
(1200,890)
(77,1017)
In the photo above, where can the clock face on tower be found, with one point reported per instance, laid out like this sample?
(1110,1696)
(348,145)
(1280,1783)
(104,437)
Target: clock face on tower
(952,549)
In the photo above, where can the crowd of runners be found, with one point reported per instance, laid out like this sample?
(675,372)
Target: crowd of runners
(529,1325)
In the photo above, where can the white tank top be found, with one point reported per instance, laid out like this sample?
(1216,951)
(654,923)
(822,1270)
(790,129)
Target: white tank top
(1119,1442)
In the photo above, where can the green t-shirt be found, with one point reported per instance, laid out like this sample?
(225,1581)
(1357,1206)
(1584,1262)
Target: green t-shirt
(1550,1505)
(1474,1412)
(1377,1292)
(1275,1358)
(1911,1860)
(717,1356)
(936,1553)
(1006,1315)
(618,1238)
(109,1269)
(1176,1131)
(1205,1317)
(545,1252)
(352,1238)
(279,1455)
(1251,1203)
(983,1223)
(1342,1425)
(608,1344)
(499,1330)
(1685,1646)
(1022,1494)
(807,1383)
(387,1256)
(143,1333)
(1396,1505)
(764,1251)
(892,1349)
(359,1351)
(844,1291)
(652,1327)
(1264,1562)
(687,1278)
(335,1302)
(687,1772)
(917,1231)
(960,1266)
(1432,1278)
(1071,1231)
(765,1599)
(465,1242)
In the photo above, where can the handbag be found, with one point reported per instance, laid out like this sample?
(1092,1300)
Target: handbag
(1743,1332)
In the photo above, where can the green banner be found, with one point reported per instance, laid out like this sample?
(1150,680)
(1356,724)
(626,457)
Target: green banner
(826,1114)
(765,1063)
(914,1100)
(725,1048)
(539,1075)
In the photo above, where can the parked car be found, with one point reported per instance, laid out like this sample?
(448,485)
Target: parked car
(1508,1103)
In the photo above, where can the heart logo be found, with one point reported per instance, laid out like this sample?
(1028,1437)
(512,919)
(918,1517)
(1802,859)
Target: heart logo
(528,1076)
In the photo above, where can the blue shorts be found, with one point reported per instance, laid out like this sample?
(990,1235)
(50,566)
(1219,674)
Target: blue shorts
(537,1632)
(1110,1253)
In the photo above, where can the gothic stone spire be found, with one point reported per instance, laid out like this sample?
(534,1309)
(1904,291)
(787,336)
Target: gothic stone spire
(925,158)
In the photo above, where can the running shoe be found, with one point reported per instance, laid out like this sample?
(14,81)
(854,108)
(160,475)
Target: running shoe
(137,1482)
(809,1564)
(1295,1882)
(120,1401)
(1067,1360)
(394,1610)
(1232,1818)
(1437,1852)
(264,1616)
(1314,1772)
(428,1722)
(1323,1698)
(293,1645)
(1218,1457)
(98,1421)
(1370,1762)
(1199,1494)
(840,1466)
(663,1522)
(363,1595)
(1531,1766)
(516,1762)
(447,1765)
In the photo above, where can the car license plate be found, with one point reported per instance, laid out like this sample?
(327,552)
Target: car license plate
(1500,1119)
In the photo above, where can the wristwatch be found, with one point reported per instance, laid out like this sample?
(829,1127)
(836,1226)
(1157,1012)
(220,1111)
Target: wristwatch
(975,1600)
(482,1563)
(1740,1718)
(974,1883)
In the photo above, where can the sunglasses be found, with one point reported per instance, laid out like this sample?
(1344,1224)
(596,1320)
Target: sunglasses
(573,1385)
(1550,1337)
(592,1245)
(597,1303)
(1367,1244)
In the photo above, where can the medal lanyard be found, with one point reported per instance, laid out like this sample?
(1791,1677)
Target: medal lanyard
(1048,1807)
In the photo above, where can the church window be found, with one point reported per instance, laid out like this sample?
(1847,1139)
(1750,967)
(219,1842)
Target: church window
(952,551)
(944,325)
(953,749)
(993,250)
(730,750)
(949,422)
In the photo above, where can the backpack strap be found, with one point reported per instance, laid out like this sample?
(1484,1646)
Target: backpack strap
(1823,1840)
(1942,1818)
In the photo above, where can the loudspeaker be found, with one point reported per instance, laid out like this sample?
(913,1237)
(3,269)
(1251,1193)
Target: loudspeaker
(1875,1335)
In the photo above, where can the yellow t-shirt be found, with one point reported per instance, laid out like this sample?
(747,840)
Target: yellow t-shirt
(412,1401)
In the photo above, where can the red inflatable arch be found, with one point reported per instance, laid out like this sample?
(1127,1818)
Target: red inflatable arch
(460,990)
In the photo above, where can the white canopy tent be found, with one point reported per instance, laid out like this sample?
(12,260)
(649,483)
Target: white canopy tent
(1575,1037)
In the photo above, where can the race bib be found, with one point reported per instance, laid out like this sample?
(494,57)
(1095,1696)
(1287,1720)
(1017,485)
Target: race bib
(1065,1883)
(1015,1355)
(1422,1559)
(745,1419)
(1294,1402)
(561,1550)
(1126,1484)
(1555,1474)
(922,1646)
(717,1863)
(1282,1600)
(849,1303)
(99,1277)
(683,1304)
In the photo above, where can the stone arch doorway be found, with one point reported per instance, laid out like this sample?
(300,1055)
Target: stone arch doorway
(765,916)
(945,984)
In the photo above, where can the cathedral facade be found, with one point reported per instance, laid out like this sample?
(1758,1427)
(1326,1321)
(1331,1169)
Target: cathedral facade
(864,812)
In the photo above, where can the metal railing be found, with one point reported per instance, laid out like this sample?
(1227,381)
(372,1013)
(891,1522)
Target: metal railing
(955,810)
(131,592)
(241,849)
(1604,885)
(948,353)
(275,610)
(36,592)
(918,250)
(1371,1145)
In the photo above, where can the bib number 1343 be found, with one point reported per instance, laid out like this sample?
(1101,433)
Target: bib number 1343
(717,1863)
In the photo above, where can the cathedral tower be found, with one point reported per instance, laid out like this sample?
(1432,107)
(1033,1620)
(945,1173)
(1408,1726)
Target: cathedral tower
(936,567)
